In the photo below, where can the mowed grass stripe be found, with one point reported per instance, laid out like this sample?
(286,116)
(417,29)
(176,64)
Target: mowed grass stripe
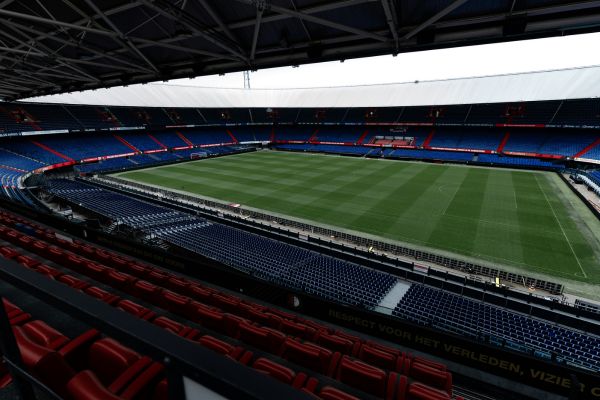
(492,214)
(574,238)
(467,203)
(543,244)
(499,207)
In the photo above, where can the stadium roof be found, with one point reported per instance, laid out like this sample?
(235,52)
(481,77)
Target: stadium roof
(57,46)
(574,83)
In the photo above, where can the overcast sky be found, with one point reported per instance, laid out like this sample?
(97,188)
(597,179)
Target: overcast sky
(492,59)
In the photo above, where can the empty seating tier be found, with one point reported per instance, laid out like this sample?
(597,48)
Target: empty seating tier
(302,353)
(463,316)
(266,258)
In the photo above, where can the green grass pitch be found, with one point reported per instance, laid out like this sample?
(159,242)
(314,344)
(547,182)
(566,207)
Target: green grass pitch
(522,219)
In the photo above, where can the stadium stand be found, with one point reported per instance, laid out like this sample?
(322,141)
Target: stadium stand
(114,289)
(52,117)
(262,339)
(90,117)
(578,112)
(211,136)
(330,278)
(250,333)
(481,139)
(269,259)
(463,316)
(31,150)
(169,139)
(140,142)
(495,159)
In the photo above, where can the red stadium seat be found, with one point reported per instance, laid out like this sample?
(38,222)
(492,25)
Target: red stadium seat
(279,372)
(55,254)
(86,386)
(266,339)
(157,276)
(10,308)
(50,272)
(74,262)
(40,247)
(27,261)
(114,363)
(225,302)
(331,393)
(102,295)
(362,376)
(430,363)
(161,391)
(72,281)
(211,319)
(378,357)
(102,256)
(8,252)
(94,270)
(431,376)
(419,391)
(146,290)
(44,335)
(46,364)
(297,329)
(118,279)
(311,356)
(238,353)
(25,242)
(256,316)
(178,285)
(136,309)
(337,343)
(176,327)
(16,316)
(116,372)
(200,293)
(177,303)
(133,268)
(283,314)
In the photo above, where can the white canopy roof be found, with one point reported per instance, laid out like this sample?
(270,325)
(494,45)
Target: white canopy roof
(572,83)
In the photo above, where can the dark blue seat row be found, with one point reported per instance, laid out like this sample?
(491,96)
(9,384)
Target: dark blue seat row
(463,316)
(253,254)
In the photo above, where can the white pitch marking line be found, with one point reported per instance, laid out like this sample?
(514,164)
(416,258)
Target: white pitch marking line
(561,227)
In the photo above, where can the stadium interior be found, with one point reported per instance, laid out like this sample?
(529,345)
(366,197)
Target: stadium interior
(123,275)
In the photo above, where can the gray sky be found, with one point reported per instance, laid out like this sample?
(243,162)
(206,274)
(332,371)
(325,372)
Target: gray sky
(493,59)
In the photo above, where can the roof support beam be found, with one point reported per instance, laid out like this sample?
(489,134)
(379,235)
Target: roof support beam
(451,7)
(259,13)
(46,51)
(73,43)
(121,38)
(7,85)
(302,22)
(320,21)
(308,10)
(112,11)
(13,14)
(147,43)
(25,77)
(390,16)
(24,52)
(213,14)
(216,41)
